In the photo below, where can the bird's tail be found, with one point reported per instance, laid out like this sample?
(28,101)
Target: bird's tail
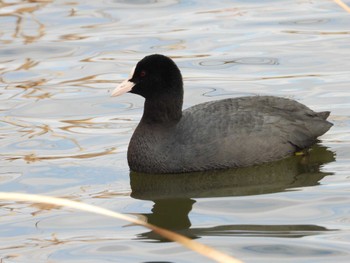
(323,114)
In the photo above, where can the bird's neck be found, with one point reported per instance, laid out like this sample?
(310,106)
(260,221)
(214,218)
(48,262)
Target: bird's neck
(162,110)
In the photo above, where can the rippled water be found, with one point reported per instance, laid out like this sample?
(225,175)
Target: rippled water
(62,135)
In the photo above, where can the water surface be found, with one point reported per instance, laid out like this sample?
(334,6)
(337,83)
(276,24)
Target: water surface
(62,135)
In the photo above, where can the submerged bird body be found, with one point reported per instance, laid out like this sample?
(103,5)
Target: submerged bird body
(219,134)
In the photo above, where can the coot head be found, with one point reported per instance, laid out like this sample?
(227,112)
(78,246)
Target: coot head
(154,77)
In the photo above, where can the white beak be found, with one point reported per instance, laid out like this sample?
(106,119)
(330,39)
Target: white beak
(125,86)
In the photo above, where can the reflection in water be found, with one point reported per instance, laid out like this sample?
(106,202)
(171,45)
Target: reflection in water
(247,61)
(306,21)
(316,32)
(170,214)
(172,193)
(22,13)
(35,158)
(291,231)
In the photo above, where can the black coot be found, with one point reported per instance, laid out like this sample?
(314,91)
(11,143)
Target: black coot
(213,135)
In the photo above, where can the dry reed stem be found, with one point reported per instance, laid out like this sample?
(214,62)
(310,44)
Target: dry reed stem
(342,5)
(185,241)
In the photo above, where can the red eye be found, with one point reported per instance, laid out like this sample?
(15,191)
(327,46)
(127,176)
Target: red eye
(142,73)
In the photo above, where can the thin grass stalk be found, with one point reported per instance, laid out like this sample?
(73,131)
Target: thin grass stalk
(185,241)
(342,5)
